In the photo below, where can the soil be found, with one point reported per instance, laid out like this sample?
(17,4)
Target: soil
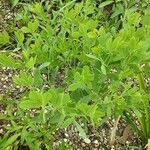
(99,139)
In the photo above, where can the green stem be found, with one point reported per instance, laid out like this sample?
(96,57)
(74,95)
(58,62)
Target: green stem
(61,3)
(43,110)
(141,79)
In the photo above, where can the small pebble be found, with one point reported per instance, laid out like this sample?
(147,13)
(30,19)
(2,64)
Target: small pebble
(83,144)
(88,141)
(66,135)
(96,142)
(1,131)
(65,140)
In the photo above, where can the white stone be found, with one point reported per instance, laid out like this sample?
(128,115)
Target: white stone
(1,131)
(65,140)
(96,142)
(88,141)
(66,135)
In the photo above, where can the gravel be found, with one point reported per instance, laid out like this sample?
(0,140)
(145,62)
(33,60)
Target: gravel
(99,139)
(6,14)
(7,87)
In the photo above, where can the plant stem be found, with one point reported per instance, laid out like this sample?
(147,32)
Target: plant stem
(141,79)
(114,130)
(43,110)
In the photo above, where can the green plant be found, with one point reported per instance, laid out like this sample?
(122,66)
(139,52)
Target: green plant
(96,60)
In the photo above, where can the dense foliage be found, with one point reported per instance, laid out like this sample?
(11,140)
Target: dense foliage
(79,61)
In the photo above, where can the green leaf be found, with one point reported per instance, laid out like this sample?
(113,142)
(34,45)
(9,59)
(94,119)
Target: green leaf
(44,65)
(103,69)
(78,7)
(38,9)
(26,54)
(87,75)
(20,38)
(91,34)
(25,30)
(34,101)
(7,61)
(38,82)
(67,122)
(33,26)
(92,57)
(46,98)
(30,64)
(59,99)
(29,104)
(77,77)
(24,79)
(14,2)
(81,130)
(4,38)
(11,140)
(75,86)
(90,111)
(137,113)
(35,95)
(103,4)
(64,99)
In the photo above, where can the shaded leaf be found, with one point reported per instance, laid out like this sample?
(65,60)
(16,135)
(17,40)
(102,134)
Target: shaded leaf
(38,82)
(4,38)
(103,4)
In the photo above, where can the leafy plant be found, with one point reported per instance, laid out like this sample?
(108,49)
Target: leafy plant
(95,57)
